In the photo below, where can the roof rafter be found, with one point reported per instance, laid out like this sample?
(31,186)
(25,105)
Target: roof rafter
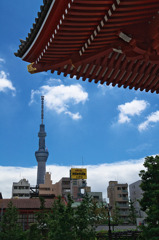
(113,41)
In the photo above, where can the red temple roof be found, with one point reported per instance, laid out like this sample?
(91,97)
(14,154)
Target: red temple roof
(30,203)
(113,41)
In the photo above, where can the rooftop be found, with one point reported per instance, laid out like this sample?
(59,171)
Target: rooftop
(32,203)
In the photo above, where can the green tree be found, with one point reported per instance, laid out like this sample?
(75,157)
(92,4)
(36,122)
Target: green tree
(42,219)
(100,212)
(132,213)
(39,229)
(150,200)
(33,232)
(116,219)
(66,222)
(85,219)
(61,221)
(9,227)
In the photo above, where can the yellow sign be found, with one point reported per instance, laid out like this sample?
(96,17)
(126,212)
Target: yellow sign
(78,173)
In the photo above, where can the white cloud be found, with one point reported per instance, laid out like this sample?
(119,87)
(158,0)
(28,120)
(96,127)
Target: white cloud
(5,83)
(60,98)
(74,116)
(152,118)
(140,148)
(98,175)
(104,88)
(2,60)
(135,107)
(33,94)
(53,81)
(8,175)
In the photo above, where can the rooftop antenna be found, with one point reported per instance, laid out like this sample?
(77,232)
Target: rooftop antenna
(42,109)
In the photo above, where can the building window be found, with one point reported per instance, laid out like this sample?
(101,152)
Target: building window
(96,197)
(44,189)
(74,183)
(65,182)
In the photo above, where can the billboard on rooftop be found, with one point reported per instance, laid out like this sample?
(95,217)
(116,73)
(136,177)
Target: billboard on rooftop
(78,173)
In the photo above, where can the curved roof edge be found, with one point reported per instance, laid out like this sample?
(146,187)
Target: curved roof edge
(26,44)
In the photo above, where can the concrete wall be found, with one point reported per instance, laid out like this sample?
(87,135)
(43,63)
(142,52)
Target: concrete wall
(135,195)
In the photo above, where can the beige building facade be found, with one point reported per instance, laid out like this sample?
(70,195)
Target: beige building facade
(75,187)
(47,189)
(118,199)
(62,188)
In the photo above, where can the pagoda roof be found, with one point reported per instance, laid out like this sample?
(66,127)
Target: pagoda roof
(109,41)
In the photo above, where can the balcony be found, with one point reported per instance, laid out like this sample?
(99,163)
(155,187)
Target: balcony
(66,186)
(125,198)
(124,213)
(122,205)
(125,191)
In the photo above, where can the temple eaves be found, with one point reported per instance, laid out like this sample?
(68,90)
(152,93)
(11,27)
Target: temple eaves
(114,41)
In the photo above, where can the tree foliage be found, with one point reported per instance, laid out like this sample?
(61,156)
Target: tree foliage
(9,228)
(61,221)
(39,229)
(85,219)
(100,212)
(64,222)
(116,218)
(150,200)
(132,213)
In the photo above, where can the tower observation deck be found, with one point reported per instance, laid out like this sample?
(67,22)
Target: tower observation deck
(42,154)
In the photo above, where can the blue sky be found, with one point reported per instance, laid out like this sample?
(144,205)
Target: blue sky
(86,123)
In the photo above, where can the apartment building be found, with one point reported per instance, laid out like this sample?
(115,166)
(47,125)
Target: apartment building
(62,188)
(47,189)
(77,188)
(118,198)
(21,189)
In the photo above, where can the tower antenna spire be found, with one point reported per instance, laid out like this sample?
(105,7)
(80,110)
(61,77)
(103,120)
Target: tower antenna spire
(42,109)
(42,154)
